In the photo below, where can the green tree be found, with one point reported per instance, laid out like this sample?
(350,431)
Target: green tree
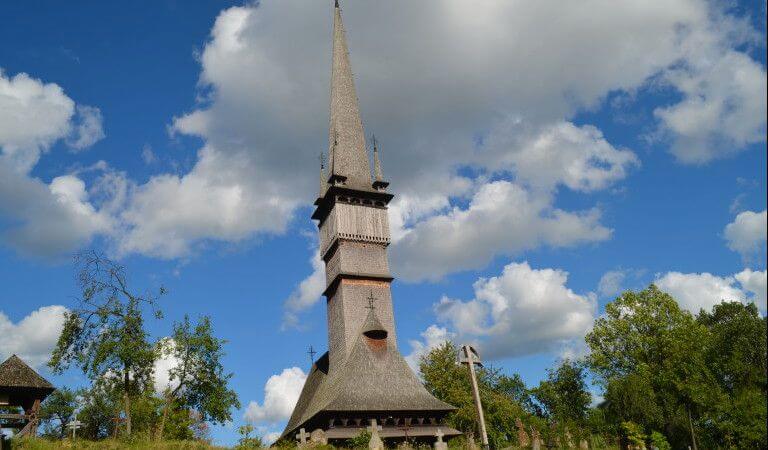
(247,441)
(646,349)
(736,354)
(59,409)
(449,381)
(99,409)
(563,395)
(198,380)
(104,336)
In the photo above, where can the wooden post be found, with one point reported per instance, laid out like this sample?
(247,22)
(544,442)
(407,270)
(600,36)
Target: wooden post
(469,354)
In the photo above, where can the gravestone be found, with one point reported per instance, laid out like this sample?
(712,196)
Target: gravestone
(302,437)
(439,444)
(583,445)
(318,437)
(522,436)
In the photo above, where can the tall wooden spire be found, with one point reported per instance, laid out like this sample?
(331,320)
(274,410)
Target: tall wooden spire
(346,140)
(362,379)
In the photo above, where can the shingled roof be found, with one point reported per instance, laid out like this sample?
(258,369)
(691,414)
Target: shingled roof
(15,373)
(374,377)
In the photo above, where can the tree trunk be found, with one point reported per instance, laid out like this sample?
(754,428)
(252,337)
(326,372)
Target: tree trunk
(690,424)
(127,406)
(166,407)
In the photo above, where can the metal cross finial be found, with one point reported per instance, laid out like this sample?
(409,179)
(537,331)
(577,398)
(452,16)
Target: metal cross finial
(371,299)
(373,141)
(322,160)
(311,354)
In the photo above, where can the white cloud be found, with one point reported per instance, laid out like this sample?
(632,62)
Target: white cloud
(163,366)
(281,392)
(747,233)
(561,153)
(34,115)
(611,283)
(88,130)
(723,106)
(49,220)
(432,337)
(503,79)
(170,213)
(695,291)
(306,294)
(148,156)
(44,219)
(501,219)
(522,311)
(754,282)
(32,339)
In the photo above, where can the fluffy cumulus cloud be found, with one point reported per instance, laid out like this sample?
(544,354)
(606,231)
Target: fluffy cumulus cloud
(281,392)
(429,104)
(747,233)
(431,338)
(754,282)
(522,311)
(491,87)
(723,106)
(163,366)
(39,218)
(34,336)
(611,283)
(306,294)
(502,218)
(695,291)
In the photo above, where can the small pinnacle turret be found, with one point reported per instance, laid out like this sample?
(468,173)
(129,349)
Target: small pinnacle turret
(378,183)
(323,176)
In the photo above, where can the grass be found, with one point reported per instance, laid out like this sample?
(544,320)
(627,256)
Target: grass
(107,444)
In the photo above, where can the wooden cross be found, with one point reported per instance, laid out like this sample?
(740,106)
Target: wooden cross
(371,299)
(74,425)
(312,354)
(302,436)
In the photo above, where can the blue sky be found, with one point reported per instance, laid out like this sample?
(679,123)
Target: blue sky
(535,150)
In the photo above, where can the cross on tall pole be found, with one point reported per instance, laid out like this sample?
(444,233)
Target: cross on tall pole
(371,299)
(312,354)
(470,357)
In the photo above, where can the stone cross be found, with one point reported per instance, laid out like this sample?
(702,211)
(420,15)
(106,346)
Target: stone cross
(302,436)
(439,444)
(375,443)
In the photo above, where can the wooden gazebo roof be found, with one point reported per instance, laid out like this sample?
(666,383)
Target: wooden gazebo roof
(15,374)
